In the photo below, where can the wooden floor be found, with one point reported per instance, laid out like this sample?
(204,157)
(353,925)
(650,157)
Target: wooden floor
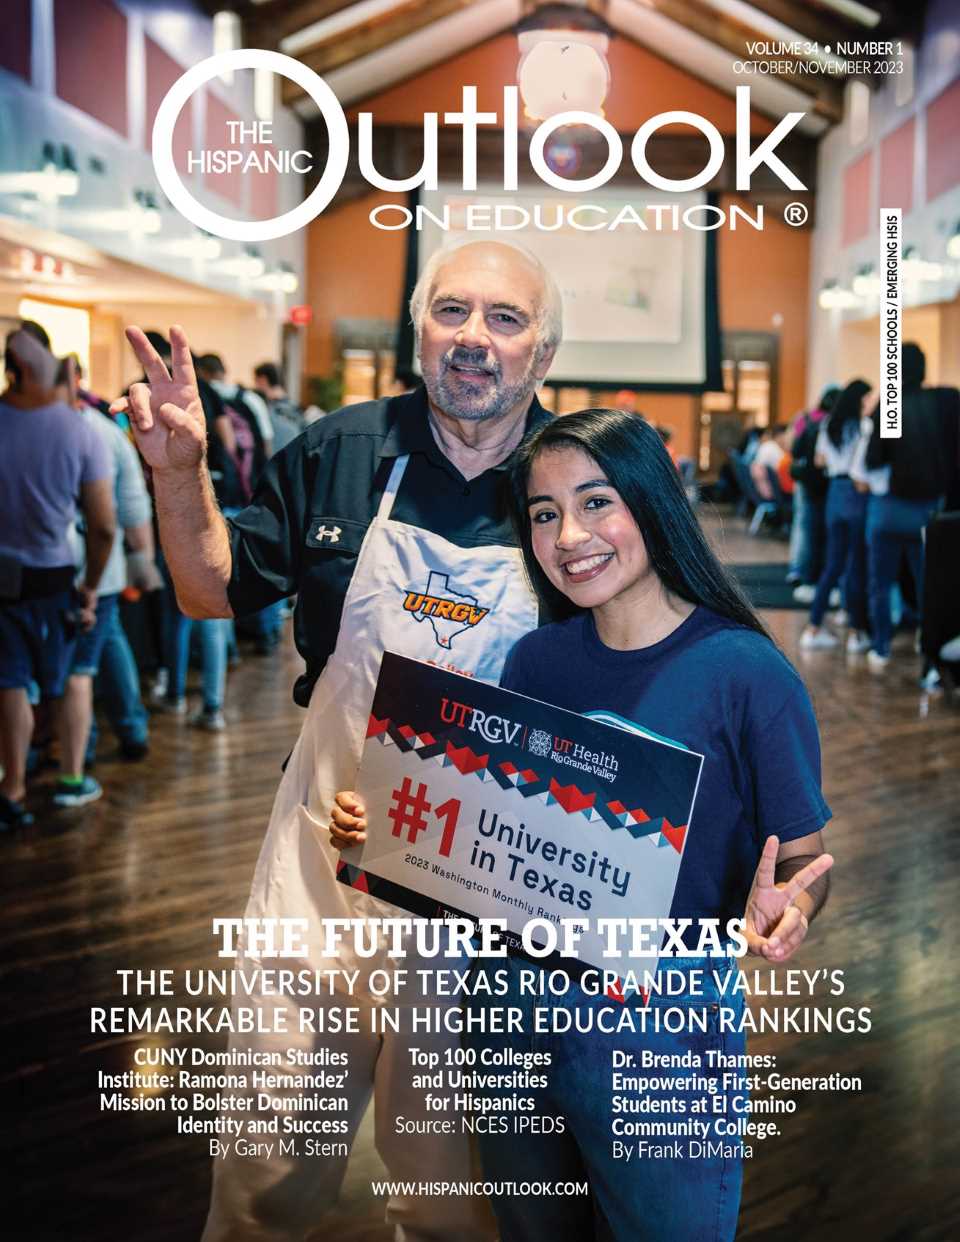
(133,881)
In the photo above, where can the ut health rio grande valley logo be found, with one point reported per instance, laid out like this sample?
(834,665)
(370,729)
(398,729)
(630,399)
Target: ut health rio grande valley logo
(448,612)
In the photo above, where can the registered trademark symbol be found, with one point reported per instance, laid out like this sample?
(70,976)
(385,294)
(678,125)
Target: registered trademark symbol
(796,214)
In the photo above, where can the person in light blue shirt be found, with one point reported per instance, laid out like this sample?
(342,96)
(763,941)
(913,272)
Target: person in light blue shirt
(52,465)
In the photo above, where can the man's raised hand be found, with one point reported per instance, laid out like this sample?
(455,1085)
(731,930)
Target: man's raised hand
(165,413)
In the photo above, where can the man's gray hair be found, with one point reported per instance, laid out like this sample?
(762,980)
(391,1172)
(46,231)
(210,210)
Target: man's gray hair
(549,313)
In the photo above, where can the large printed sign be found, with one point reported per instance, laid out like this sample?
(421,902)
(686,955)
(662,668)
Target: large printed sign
(485,803)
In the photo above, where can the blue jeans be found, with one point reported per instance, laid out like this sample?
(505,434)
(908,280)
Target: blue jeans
(90,643)
(267,623)
(846,554)
(894,529)
(118,685)
(37,644)
(671,1190)
(807,535)
(214,638)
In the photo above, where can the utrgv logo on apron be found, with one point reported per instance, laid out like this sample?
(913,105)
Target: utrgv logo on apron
(448,612)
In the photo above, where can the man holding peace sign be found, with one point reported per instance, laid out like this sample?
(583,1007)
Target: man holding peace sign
(366,504)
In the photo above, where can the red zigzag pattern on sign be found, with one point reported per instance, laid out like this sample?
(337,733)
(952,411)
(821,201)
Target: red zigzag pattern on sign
(638,814)
(674,835)
(615,993)
(570,797)
(361,883)
(464,759)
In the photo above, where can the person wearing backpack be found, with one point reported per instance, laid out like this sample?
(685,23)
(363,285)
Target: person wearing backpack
(252,446)
(922,464)
(286,417)
(250,442)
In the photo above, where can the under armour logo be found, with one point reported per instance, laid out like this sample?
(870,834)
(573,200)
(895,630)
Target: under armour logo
(332,535)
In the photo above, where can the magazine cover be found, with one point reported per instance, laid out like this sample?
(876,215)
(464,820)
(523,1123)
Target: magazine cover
(480,619)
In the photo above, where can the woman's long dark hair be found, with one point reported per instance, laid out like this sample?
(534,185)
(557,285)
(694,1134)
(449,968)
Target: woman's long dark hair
(635,461)
(846,413)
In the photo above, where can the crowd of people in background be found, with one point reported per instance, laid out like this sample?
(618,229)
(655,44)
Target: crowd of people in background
(861,507)
(78,538)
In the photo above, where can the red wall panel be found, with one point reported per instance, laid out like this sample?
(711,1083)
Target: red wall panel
(856,198)
(91,58)
(162,72)
(896,167)
(943,148)
(15,41)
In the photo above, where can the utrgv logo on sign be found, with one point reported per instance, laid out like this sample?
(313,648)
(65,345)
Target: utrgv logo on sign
(449,612)
(492,728)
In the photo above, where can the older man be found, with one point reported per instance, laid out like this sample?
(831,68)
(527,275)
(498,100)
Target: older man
(369,504)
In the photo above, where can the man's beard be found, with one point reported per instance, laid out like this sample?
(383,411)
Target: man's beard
(495,399)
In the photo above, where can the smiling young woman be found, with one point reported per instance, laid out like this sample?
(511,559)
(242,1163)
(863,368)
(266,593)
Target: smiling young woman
(589,546)
(600,484)
(659,637)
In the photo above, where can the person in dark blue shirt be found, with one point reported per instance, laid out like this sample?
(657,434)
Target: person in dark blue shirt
(660,636)
(658,639)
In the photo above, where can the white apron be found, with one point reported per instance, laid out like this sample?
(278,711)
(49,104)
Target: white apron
(281,1198)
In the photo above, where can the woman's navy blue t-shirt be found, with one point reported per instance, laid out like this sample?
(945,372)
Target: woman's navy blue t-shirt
(716,688)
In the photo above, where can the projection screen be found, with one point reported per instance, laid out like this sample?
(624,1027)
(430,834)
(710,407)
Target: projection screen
(640,306)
